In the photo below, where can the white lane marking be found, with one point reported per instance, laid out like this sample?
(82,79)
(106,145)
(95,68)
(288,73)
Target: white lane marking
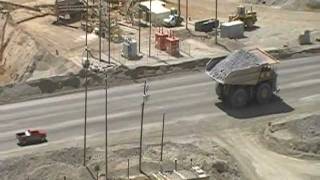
(70,123)
(97,93)
(148,126)
(101,92)
(300,84)
(293,63)
(101,118)
(300,77)
(156,102)
(299,69)
(313,98)
(100,100)
(113,99)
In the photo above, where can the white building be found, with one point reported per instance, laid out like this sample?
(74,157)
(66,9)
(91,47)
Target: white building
(158,11)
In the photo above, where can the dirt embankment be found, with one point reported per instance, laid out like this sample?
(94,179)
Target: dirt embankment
(44,84)
(25,59)
(18,57)
(300,138)
(216,161)
(74,82)
(290,4)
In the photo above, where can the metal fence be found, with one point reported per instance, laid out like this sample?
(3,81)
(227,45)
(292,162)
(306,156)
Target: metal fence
(157,56)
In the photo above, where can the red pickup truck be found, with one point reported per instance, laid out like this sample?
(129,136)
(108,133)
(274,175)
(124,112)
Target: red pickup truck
(29,137)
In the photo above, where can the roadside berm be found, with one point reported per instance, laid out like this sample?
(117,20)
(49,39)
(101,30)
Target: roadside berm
(216,161)
(299,137)
(72,82)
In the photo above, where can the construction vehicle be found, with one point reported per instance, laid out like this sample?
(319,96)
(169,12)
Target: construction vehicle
(244,76)
(68,10)
(206,25)
(249,18)
(174,19)
(29,137)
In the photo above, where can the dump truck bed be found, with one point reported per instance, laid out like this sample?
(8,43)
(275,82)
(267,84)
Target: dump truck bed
(242,67)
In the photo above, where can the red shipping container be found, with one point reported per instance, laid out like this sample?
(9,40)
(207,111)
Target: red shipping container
(161,40)
(173,46)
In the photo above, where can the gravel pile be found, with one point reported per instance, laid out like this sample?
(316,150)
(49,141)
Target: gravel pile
(238,60)
(303,137)
(307,128)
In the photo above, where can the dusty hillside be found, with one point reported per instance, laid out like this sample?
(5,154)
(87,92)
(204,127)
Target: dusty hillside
(18,57)
(24,59)
(300,137)
(54,165)
(290,4)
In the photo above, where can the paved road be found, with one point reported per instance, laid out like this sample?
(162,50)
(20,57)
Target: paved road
(188,100)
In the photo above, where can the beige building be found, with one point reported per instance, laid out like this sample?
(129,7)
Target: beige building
(158,11)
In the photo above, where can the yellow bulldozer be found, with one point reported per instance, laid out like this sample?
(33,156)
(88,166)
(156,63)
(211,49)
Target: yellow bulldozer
(248,17)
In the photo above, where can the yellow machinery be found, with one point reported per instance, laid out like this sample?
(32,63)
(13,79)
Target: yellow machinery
(249,18)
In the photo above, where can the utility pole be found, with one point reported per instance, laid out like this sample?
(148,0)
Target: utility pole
(139,29)
(162,136)
(187,13)
(150,29)
(100,28)
(179,7)
(106,116)
(128,172)
(109,31)
(106,103)
(86,66)
(145,96)
(216,33)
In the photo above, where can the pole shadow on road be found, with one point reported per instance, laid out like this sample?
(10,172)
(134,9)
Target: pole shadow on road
(276,106)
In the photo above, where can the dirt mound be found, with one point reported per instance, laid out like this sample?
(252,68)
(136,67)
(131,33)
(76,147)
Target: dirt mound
(290,4)
(314,4)
(307,129)
(25,59)
(68,162)
(18,57)
(300,137)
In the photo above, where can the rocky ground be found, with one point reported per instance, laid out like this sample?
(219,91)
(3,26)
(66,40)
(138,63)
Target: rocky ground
(289,4)
(299,137)
(54,165)
(37,48)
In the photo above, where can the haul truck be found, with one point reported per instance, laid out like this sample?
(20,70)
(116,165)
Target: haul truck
(244,76)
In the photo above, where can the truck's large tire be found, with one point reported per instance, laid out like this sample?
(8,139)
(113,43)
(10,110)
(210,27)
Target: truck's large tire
(239,98)
(43,139)
(219,90)
(22,143)
(264,93)
(249,24)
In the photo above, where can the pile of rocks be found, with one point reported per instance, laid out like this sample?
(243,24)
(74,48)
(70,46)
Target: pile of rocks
(238,60)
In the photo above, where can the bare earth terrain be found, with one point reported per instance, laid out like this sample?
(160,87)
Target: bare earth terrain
(194,116)
(276,141)
(63,46)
